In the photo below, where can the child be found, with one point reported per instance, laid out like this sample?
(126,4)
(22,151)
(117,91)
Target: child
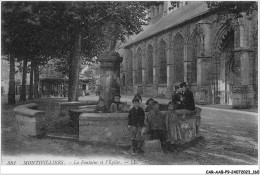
(156,124)
(176,98)
(136,126)
(117,106)
(140,99)
(172,127)
(101,108)
(149,105)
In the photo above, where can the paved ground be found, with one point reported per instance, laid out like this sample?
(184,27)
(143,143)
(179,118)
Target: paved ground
(230,138)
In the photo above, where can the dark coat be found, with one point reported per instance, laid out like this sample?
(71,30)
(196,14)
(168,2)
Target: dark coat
(155,120)
(188,101)
(176,100)
(136,117)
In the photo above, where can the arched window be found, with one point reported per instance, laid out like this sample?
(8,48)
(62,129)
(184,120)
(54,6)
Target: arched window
(178,58)
(157,10)
(130,68)
(152,12)
(139,66)
(194,54)
(150,65)
(162,63)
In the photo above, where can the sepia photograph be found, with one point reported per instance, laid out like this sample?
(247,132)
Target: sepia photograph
(101,86)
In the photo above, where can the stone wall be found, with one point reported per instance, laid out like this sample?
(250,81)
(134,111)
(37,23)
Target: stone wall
(104,127)
(112,127)
(30,121)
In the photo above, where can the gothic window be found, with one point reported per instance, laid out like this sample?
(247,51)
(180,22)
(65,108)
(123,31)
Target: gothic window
(195,51)
(162,63)
(130,68)
(139,66)
(150,65)
(157,10)
(152,12)
(178,58)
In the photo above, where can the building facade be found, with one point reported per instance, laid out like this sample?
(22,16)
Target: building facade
(52,82)
(218,62)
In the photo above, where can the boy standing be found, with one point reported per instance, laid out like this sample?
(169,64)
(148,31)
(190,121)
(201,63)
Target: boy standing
(136,126)
(156,124)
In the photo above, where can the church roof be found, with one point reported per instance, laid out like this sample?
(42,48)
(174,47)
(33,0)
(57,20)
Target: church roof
(172,19)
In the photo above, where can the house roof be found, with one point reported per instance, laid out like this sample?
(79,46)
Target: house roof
(174,18)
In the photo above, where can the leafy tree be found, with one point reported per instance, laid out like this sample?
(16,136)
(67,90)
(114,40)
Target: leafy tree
(175,4)
(35,31)
(92,73)
(229,11)
(80,23)
(15,16)
(27,36)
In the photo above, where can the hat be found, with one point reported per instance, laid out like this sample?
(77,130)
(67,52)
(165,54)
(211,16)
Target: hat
(183,84)
(136,100)
(155,102)
(138,96)
(147,102)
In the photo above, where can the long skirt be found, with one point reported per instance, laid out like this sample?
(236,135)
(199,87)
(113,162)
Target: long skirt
(173,132)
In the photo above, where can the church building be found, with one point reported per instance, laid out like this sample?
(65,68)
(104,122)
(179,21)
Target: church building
(218,62)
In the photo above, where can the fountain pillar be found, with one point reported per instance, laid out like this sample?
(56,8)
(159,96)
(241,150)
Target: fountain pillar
(110,76)
(110,65)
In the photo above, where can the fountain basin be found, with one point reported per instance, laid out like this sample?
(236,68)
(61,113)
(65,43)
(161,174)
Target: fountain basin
(104,127)
(112,127)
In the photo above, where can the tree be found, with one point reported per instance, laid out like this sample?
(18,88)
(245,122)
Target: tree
(11,18)
(70,30)
(27,35)
(11,89)
(16,17)
(80,23)
(92,73)
(229,11)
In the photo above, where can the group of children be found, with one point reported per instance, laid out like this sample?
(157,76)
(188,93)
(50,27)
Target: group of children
(159,126)
(163,127)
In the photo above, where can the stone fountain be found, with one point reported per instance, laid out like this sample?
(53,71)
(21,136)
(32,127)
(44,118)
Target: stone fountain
(110,65)
(111,128)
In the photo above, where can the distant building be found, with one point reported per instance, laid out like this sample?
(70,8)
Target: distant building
(218,62)
(52,83)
